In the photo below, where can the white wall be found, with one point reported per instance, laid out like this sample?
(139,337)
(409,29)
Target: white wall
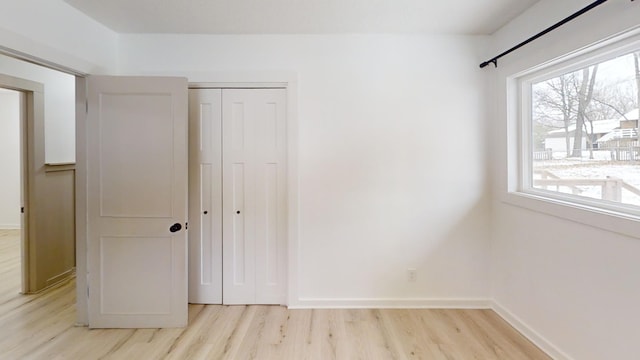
(392,169)
(572,287)
(60,35)
(10,159)
(59,106)
(54,31)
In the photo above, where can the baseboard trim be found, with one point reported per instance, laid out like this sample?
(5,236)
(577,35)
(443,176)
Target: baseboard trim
(10,227)
(54,285)
(390,303)
(61,277)
(528,332)
(428,303)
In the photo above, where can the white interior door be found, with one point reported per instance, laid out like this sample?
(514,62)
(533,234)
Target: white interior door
(254,195)
(137,202)
(205,196)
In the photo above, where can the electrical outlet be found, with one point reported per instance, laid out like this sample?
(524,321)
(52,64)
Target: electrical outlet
(412,275)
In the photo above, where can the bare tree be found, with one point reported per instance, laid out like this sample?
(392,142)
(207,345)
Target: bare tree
(612,103)
(585,94)
(555,99)
(580,99)
(589,130)
(636,62)
(567,102)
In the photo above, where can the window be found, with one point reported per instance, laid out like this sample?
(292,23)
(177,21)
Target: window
(579,140)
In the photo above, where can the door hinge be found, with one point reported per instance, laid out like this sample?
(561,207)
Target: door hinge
(86,106)
(22,210)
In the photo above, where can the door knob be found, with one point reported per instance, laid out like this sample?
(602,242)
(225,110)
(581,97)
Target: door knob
(175,227)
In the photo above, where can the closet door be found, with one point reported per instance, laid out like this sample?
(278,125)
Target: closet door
(205,196)
(254,195)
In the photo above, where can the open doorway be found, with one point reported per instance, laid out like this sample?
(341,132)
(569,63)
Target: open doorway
(11,201)
(46,209)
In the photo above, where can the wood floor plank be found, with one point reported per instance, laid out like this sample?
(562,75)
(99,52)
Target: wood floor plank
(42,326)
(296,335)
(405,328)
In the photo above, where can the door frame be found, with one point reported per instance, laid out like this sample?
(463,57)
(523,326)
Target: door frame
(32,167)
(82,283)
(287,81)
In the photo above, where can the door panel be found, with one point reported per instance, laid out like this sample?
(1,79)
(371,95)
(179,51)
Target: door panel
(270,197)
(137,189)
(128,189)
(254,194)
(238,225)
(238,235)
(205,196)
(136,267)
(270,233)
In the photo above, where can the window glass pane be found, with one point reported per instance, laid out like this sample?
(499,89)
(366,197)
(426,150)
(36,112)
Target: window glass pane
(584,131)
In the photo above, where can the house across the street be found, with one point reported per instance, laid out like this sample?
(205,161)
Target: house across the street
(556,139)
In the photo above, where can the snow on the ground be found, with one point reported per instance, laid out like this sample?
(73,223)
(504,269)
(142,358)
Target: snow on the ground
(600,167)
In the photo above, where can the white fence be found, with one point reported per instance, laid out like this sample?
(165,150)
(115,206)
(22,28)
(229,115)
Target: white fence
(611,187)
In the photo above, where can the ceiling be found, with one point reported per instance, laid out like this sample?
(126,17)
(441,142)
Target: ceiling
(302,16)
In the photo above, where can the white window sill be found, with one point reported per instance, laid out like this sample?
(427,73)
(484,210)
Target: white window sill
(621,223)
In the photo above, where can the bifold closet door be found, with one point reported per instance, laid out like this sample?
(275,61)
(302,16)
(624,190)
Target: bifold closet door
(205,196)
(254,195)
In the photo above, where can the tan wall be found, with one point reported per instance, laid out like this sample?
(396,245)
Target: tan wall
(55,252)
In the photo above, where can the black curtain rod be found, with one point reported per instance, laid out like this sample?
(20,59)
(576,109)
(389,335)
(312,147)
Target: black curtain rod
(494,60)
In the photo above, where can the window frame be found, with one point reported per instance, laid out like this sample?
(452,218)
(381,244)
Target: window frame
(619,218)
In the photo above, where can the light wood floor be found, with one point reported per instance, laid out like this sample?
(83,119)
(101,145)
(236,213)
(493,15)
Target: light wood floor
(42,327)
